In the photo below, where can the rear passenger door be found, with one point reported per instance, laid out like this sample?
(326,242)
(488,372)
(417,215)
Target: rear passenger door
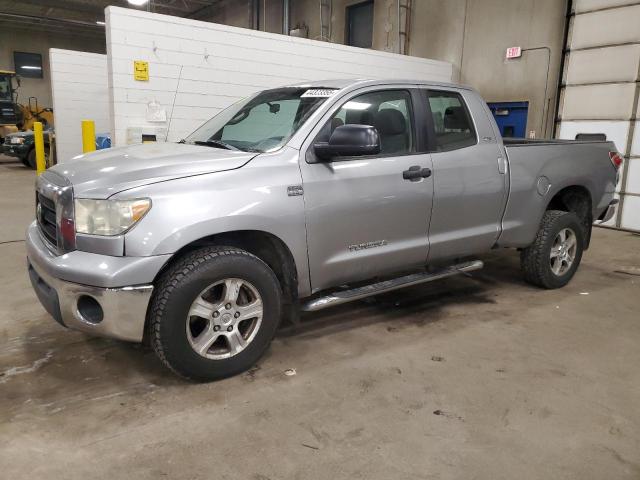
(470,181)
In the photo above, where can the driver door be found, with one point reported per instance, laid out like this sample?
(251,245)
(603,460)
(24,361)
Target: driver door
(363,218)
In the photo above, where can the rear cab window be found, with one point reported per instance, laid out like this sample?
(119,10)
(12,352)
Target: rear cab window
(452,124)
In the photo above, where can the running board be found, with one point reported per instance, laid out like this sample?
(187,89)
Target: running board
(344,296)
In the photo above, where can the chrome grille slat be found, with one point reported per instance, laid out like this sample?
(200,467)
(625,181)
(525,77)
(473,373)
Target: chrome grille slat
(47,202)
(47,219)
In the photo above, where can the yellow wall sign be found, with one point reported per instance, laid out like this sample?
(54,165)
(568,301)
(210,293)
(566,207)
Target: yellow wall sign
(141,71)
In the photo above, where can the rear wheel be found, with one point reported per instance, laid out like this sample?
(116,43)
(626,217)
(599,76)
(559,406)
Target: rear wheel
(554,256)
(214,312)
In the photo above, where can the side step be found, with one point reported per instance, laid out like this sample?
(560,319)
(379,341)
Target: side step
(344,296)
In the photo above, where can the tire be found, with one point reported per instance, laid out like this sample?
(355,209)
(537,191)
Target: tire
(30,160)
(188,295)
(538,266)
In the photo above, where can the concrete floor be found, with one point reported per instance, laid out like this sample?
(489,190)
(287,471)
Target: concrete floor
(479,377)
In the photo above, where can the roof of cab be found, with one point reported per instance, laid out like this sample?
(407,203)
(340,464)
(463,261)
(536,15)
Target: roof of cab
(365,82)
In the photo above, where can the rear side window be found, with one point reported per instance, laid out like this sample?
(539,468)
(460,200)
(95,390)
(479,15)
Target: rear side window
(451,121)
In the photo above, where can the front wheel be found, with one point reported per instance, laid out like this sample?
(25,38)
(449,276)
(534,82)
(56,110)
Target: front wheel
(30,160)
(553,258)
(214,312)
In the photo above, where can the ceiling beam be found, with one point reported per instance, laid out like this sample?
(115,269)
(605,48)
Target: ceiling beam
(52,25)
(71,5)
(183,7)
(204,10)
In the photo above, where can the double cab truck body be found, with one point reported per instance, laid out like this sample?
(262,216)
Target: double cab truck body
(303,197)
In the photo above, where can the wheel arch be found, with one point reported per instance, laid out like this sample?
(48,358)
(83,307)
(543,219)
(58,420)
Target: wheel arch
(576,199)
(266,246)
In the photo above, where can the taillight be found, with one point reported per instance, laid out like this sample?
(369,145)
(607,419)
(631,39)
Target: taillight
(616,159)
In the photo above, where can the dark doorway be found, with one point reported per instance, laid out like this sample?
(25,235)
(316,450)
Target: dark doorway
(360,25)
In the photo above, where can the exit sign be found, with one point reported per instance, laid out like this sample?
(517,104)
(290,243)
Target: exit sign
(514,52)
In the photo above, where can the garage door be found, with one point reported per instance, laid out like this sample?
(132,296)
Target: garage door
(601,87)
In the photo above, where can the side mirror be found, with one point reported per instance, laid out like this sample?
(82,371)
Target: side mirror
(349,141)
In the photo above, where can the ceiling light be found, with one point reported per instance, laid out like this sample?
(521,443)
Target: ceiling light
(30,67)
(351,105)
(138,3)
(99,22)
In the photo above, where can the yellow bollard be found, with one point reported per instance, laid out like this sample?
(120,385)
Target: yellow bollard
(38,139)
(88,136)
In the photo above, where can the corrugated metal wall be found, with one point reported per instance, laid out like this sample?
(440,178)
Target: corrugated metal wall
(601,87)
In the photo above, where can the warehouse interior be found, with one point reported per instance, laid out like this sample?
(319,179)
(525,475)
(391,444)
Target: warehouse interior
(472,375)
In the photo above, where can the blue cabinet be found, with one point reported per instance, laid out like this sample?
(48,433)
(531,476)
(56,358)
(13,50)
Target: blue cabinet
(511,118)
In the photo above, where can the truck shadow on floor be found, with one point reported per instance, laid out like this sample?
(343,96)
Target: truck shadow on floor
(99,362)
(419,305)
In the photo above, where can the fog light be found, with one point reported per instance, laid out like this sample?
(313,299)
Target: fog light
(90,310)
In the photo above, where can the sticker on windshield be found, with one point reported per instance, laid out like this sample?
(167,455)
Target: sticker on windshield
(319,92)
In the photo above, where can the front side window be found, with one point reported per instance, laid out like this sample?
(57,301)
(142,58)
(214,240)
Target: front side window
(262,123)
(389,111)
(451,121)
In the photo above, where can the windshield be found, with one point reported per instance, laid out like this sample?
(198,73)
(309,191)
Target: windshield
(5,88)
(262,123)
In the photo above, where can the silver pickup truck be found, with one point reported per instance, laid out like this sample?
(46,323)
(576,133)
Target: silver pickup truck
(301,198)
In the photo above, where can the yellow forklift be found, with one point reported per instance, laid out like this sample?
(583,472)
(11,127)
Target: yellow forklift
(16,122)
(8,110)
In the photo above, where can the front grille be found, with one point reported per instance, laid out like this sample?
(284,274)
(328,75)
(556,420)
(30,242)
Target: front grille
(46,217)
(7,114)
(54,211)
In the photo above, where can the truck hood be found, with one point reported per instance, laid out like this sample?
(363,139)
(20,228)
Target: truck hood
(106,172)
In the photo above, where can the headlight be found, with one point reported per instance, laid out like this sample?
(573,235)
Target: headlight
(17,140)
(109,217)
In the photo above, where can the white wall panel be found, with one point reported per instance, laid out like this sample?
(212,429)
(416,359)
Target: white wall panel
(633,176)
(610,64)
(211,66)
(599,102)
(607,27)
(589,5)
(635,146)
(79,87)
(615,131)
(631,213)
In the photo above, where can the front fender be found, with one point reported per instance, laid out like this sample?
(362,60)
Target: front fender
(254,197)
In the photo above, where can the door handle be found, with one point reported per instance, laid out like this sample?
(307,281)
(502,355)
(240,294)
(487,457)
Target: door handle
(502,165)
(415,173)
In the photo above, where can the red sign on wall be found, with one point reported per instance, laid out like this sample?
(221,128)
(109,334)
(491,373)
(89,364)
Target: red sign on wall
(514,52)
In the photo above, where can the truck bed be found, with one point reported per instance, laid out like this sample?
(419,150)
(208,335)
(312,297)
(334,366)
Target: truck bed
(525,142)
(537,174)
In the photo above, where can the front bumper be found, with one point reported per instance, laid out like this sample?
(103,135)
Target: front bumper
(20,151)
(122,308)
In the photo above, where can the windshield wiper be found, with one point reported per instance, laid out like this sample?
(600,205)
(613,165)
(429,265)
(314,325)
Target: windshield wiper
(216,144)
